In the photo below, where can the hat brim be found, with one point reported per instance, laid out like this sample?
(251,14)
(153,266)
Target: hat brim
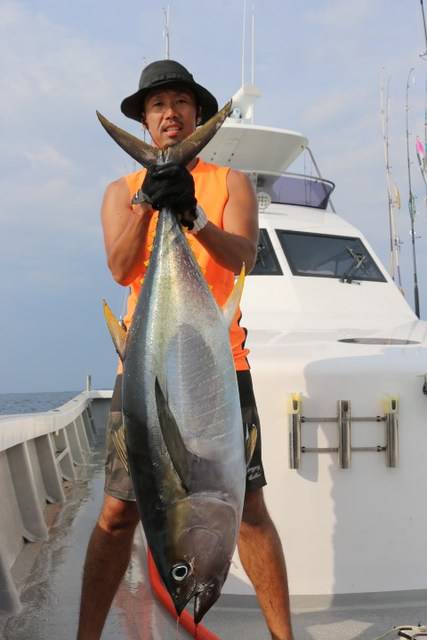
(133,106)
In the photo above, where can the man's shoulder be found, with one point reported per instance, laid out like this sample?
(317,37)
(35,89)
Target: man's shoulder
(126,184)
(132,181)
(135,174)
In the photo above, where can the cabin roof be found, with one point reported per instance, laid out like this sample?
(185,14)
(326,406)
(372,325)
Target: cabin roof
(250,147)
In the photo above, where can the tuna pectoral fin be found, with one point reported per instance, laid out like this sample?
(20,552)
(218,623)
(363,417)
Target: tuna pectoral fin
(182,459)
(251,438)
(118,436)
(116,330)
(232,304)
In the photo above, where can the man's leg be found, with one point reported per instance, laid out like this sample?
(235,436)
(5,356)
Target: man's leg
(261,554)
(107,558)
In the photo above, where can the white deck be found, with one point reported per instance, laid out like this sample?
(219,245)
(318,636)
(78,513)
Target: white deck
(50,590)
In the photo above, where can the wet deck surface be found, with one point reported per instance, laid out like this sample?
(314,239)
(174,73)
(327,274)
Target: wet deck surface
(51,591)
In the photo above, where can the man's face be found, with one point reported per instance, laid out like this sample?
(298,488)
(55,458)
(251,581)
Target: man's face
(170,115)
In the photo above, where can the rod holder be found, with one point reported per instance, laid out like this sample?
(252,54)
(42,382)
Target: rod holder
(344,434)
(294,412)
(392,431)
(88,383)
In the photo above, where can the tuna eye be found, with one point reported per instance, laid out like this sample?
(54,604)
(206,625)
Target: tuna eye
(180,572)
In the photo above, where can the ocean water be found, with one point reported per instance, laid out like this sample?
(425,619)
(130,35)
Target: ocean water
(11,403)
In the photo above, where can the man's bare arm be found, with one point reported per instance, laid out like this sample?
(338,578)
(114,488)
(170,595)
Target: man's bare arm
(125,229)
(237,242)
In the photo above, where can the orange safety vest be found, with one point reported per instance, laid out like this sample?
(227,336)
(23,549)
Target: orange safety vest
(212,194)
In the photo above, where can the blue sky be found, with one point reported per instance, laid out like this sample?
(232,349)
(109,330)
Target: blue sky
(318,65)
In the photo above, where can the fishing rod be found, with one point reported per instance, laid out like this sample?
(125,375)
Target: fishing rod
(422,160)
(420,149)
(424,54)
(411,201)
(425,118)
(393,195)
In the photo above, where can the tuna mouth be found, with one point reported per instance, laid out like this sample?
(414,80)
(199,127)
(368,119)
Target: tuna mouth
(203,600)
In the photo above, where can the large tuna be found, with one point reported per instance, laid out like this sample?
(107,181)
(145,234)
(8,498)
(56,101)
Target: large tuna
(182,419)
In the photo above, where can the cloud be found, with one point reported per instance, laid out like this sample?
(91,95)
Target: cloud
(49,70)
(342,15)
(49,157)
(329,107)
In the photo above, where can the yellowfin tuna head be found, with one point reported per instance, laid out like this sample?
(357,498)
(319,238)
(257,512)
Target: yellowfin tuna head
(205,531)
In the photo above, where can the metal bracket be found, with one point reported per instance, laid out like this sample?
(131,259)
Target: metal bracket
(344,421)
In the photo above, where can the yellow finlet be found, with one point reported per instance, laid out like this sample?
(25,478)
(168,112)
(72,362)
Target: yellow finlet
(118,334)
(232,304)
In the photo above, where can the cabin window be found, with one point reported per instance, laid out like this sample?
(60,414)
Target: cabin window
(293,189)
(267,263)
(327,256)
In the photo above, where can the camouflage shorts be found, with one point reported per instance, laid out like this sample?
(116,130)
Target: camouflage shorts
(118,482)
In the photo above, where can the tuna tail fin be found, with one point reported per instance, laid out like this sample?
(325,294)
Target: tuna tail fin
(140,151)
(232,304)
(182,459)
(118,333)
(181,153)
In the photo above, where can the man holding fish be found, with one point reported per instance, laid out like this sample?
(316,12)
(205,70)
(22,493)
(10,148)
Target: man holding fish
(217,208)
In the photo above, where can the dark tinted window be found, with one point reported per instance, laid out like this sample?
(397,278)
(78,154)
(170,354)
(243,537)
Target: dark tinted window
(294,189)
(266,262)
(311,254)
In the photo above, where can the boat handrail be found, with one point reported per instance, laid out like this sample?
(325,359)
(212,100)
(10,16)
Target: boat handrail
(289,188)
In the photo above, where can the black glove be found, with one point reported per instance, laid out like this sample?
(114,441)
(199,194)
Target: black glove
(171,186)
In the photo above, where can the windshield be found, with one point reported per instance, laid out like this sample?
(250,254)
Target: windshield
(293,189)
(312,254)
(267,263)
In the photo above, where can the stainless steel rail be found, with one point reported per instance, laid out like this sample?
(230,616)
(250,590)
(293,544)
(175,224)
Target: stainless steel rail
(344,421)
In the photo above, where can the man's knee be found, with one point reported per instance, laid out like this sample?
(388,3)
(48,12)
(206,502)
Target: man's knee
(255,512)
(118,515)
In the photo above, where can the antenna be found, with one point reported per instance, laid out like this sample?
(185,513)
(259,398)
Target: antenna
(411,202)
(253,46)
(424,54)
(166,32)
(243,42)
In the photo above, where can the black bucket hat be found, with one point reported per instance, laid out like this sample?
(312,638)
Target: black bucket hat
(162,73)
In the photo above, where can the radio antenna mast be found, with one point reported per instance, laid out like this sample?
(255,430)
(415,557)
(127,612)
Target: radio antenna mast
(166,32)
(411,201)
(253,46)
(243,42)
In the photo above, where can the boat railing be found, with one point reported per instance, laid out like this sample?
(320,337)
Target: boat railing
(39,452)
